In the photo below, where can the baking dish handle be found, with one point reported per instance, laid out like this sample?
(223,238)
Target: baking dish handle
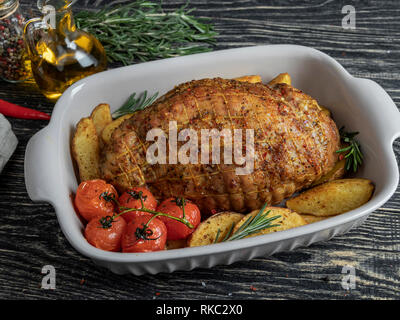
(387,107)
(39,160)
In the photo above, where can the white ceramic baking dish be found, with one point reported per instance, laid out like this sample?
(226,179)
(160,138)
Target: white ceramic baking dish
(359,104)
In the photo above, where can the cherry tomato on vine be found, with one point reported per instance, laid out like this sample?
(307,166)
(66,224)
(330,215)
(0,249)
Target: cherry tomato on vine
(131,199)
(105,233)
(141,238)
(174,207)
(90,202)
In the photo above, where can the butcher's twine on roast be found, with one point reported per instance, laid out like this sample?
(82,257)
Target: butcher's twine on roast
(294,141)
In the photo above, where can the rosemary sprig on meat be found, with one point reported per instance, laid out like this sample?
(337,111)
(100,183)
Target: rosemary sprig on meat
(141,30)
(352,151)
(134,104)
(251,226)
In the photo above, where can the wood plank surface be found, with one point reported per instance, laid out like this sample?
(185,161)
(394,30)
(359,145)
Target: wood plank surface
(31,238)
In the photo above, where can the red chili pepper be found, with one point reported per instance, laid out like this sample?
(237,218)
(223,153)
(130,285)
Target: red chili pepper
(12,110)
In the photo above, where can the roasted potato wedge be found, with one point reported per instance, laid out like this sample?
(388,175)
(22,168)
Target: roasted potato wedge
(207,231)
(337,172)
(308,218)
(101,117)
(281,78)
(251,79)
(85,150)
(288,219)
(332,198)
(108,130)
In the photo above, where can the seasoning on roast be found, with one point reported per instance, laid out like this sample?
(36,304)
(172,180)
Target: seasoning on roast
(295,143)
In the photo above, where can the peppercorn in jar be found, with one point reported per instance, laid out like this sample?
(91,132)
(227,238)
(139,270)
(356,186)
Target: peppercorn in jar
(14,62)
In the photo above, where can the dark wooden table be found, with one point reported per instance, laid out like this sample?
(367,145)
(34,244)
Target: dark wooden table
(31,238)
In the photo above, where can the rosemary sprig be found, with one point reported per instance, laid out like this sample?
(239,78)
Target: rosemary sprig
(251,226)
(218,233)
(353,154)
(227,234)
(141,30)
(134,104)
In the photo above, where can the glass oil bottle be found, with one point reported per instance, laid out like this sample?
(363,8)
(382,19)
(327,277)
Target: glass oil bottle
(61,54)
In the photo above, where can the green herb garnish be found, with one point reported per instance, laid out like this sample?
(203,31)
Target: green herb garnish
(134,104)
(141,30)
(353,154)
(218,233)
(251,226)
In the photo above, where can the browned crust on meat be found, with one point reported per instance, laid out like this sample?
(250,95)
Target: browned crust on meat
(295,144)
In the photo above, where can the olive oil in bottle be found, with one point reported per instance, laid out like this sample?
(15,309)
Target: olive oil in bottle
(63,55)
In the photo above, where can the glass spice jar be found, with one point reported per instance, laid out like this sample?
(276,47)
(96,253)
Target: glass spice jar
(14,61)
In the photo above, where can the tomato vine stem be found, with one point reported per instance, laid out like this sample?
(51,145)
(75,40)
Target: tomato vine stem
(111,197)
